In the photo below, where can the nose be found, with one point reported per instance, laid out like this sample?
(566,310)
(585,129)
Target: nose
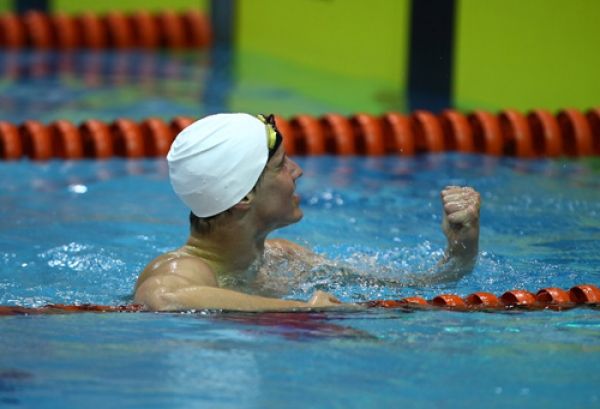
(296,169)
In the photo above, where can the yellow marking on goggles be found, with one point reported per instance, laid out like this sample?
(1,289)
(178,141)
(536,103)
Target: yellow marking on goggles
(271,134)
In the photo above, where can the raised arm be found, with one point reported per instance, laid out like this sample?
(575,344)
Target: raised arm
(461,227)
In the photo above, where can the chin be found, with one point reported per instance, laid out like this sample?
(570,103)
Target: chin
(298,215)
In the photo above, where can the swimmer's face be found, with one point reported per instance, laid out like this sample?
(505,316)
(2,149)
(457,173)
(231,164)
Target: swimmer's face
(277,202)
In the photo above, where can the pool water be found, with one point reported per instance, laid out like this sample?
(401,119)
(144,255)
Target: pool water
(79,232)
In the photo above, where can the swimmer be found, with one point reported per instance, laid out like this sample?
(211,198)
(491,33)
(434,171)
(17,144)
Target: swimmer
(232,171)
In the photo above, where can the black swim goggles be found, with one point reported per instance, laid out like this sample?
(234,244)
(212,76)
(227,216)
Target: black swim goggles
(274,136)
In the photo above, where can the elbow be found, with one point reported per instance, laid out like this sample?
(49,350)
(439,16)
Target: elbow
(156,300)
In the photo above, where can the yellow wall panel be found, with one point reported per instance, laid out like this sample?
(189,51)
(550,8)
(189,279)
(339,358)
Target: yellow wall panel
(104,6)
(527,54)
(333,42)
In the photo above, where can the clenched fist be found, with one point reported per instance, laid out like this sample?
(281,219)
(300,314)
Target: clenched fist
(461,223)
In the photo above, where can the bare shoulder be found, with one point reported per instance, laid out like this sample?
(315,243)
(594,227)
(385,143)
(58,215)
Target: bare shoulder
(177,266)
(285,247)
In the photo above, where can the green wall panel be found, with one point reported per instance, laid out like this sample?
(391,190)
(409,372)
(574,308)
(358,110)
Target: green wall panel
(349,54)
(6,6)
(527,54)
(104,6)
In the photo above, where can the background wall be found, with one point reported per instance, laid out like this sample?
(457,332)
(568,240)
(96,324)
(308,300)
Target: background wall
(103,6)
(527,54)
(313,47)
(519,54)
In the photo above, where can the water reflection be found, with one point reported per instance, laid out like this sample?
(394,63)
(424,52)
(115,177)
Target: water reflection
(49,85)
(208,372)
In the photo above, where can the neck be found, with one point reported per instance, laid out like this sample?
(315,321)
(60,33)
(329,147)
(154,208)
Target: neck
(229,248)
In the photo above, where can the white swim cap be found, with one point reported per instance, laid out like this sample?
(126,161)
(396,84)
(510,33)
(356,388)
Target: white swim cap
(216,161)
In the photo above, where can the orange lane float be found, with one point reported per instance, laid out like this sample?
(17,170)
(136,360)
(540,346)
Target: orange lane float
(397,134)
(427,131)
(66,140)
(545,133)
(157,137)
(286,129)
(308,135)
(179,123)
(37,25)
(64,31)
(518,297)
(144,30)
(11,147)
(368,135)
(539,134)
(556,299)
(458,134)
(13,33)
(552,294)
(36,29)
(576,133)
(92,31)
(198,29)
(338,134)
(127,138)
(173,32)
(447,300)
(593,117)
(119,30)
(35,137)
(585,293)
(487,135)
(482,299)
(516,134)
(96,138)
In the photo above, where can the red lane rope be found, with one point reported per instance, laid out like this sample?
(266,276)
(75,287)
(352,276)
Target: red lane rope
(516,134)
(157,137)
(547,298)
(545,133)
(97,139)
(13,32)
(338,134)
(397,134)
(368,134)
(11,147)
(458,134)
(169,29)
(576,132)
(65,140)
(289,142)
(36,140)
(308,135)
(487,134)
(427,131)
(535,135)
(593,117)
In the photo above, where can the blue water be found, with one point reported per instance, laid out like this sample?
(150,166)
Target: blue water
(80,232)
(74,232)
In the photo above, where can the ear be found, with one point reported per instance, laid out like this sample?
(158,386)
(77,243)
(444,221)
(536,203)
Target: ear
(245,203)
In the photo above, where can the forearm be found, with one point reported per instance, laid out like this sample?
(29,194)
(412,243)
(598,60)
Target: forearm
(461,250)
(458,261)
(213,298)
